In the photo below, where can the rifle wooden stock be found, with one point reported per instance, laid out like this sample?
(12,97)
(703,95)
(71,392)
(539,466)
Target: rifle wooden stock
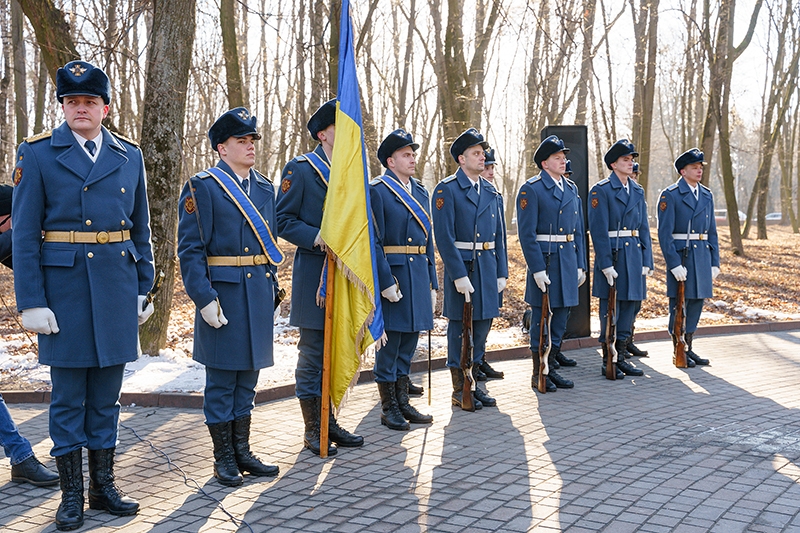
(678,328)
(467,348)
(611,334)
(544,343)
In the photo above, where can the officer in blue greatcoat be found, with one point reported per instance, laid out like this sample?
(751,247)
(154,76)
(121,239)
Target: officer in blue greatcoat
(687,233)
(229,257)
(469,237)
(622,248)
(83,264)
(304,184)
(482,370)
(631,347)
(406,274)
(551,234)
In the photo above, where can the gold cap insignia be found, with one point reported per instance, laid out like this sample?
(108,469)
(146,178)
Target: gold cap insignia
(243,115)
(77,70)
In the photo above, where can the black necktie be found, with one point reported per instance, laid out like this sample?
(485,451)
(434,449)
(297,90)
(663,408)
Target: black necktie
(90,147)
(246,186)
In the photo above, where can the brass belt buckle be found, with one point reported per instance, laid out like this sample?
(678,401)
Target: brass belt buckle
(570,237)
(103,237)
(259,260)
(486,245)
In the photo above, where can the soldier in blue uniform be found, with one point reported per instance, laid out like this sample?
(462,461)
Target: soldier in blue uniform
(687,233)
(622,248)
(83,264)
(467,226)
(551,234)
(482,370)
(304,184)
(631,347)
(229,258)
(406,274)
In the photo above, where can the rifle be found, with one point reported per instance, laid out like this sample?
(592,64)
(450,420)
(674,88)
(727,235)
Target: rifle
(679,327)
(611,319)
(152,292)
(545,342)
(467,345)
(429,367)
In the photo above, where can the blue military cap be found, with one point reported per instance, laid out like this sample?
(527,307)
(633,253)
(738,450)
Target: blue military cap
(399,138)
(548,147)
(82,78)
(468,138)
(490,157)
(568,171)
(618,149)
(688,157)
(237,122)
(635,167)
(322,118)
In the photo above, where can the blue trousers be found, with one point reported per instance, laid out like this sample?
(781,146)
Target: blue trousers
(84,408)
(694,307)
(308,374)
(626,314)
(229,394)
(394,358)
(558,326)
(480,330)
(16,446)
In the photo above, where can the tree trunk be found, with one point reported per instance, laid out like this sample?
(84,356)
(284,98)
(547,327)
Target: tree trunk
(168,61)
(586,60)
(52,34)
(20,74)
(230,49)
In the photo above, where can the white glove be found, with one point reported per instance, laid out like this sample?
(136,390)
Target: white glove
(501,284)
(611,274)
(581,277)
(680,272)
(318,241)
(277,314)
(144,314)
(434,297)
(714,272)
(40,320)
(542,280)
(646,271)
(213,315)
(464,286)
(392,293)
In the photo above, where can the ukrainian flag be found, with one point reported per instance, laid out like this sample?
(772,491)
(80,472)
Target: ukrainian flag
(347,230)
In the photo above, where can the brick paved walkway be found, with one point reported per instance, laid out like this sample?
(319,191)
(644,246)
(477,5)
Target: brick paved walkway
(705,449)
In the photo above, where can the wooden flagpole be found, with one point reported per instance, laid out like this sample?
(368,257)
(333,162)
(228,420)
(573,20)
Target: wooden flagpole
(325,401)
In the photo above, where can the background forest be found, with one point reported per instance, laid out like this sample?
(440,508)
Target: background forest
(668,74)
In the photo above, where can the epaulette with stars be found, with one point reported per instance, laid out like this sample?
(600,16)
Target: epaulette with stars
(39,137)
(126,139)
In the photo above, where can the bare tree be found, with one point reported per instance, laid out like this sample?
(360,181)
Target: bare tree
(230,48)
(52,34)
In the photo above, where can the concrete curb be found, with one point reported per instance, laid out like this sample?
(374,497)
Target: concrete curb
(195,400)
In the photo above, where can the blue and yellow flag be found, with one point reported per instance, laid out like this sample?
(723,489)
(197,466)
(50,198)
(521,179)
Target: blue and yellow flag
(347,230)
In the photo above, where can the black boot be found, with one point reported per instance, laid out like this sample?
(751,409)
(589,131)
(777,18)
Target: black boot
(690,354)
(478,374)
(310,408)
(103,491)
(32,471)
(457,375)
(490,372)
(484,398)
(617,372)
(548,385)
(341,436)
(560,381)
(391,417)
(408,410)
(628,368)
(551,361)
(562,359)
(635,350)
(246,461)
(69,515)
(689,361)
(415,390)
(225,469)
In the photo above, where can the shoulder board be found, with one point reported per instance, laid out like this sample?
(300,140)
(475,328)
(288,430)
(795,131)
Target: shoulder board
(705,187)
(535,178)
(570,182)
(375,181)
(672,187)
(448,179)
(262,176)
(127,140)
(603,181)
(203,174)
(39,136)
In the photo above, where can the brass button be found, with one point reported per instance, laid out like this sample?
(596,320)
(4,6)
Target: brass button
(624,227)
(249,275)
(86,189)
(627,243)
(246,249)
(123,190)
(560,230)
(561,246)
(410,258)
(479,253)
(123,253)
(478,234)
(409,239)
(121,222)
(88,222)
(267,274)
(90,255)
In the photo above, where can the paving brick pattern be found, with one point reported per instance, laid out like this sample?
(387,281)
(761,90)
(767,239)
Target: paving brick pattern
(705,449)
